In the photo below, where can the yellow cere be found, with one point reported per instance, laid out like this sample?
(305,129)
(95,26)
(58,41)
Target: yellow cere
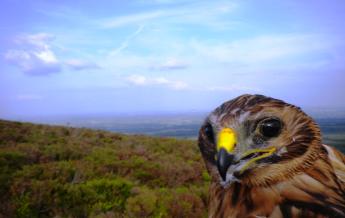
(226,140)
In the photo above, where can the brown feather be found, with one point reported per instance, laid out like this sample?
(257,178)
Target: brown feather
(306,181)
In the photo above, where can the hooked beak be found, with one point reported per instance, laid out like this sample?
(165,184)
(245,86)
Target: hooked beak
(226,157)
(225,146)
(224,160)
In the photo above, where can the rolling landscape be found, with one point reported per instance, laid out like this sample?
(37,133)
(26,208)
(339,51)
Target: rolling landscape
(101,102)
(101,166)
(52,171)
(186,125)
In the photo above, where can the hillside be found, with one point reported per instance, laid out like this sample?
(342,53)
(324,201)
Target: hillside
(51,171)
(55,171)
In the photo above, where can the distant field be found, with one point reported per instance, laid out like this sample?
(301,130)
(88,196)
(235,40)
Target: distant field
(186,126)
(333,132)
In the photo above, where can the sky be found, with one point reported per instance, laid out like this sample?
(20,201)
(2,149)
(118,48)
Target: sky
(151,56)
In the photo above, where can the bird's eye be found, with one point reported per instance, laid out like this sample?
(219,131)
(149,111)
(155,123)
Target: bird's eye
(270,127)
(209,132)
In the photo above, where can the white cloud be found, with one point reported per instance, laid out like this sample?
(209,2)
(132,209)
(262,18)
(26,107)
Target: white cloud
(137,80)
(178,85)
(46,56)
(34,63)
(78,64)
(39,46)
(170,64)
(156,81)
(34,57)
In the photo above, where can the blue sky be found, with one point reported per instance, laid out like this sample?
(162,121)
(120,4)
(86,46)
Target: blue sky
(89,57)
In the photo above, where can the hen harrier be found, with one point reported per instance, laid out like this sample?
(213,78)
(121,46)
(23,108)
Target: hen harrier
(266,159)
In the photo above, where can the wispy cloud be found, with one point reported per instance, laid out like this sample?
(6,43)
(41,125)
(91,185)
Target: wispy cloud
(262,48)
(170,64)
(138,18)
(77,64)
(140,80)
(137,80)
(126,42)
(197,13)
(39,40)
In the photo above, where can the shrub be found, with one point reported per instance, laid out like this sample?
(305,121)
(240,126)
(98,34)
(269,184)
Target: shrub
(142,204)
(10,162)
(48,171)
(94,196)
(186,204)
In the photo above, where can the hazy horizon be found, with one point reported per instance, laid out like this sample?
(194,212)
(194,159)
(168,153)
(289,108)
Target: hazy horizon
(176,117)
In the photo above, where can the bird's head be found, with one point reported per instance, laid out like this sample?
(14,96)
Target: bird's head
(258,140)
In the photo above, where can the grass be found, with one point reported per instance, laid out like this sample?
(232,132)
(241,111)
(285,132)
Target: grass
(51,171)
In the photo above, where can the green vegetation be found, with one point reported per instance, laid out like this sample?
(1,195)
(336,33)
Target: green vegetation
(49,171)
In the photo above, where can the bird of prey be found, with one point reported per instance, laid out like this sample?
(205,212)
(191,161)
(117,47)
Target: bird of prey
(266,159)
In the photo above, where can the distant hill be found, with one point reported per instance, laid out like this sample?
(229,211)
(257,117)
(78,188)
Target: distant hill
(55,171)
(186,126)
(52,171)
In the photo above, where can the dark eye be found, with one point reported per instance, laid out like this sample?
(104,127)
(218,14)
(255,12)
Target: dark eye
(209,132)
(270,127)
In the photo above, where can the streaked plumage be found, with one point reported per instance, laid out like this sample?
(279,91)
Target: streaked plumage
(277,165)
